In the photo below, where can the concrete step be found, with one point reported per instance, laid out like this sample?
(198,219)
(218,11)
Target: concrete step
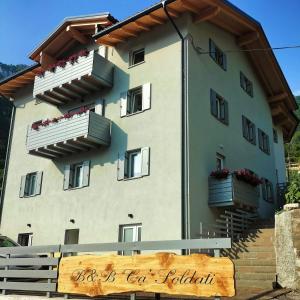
(255,262)
(255,276)
(255,269)
(252,248)
(256,255)
(256,242)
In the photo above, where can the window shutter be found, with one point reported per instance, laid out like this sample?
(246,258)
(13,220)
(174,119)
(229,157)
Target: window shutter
(67,177)
(268,144)
(99,107)
(213,103)
(22,186)
(123,103)
(224,61)
(254,134)
(146,96)
(86,173)
(38,183)
(260,140)
(212,49)
(145,152)
(244,122)
(121,167)
(226,117)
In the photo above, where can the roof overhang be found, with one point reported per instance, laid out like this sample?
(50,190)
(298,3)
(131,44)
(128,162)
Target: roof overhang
(72,31)
(10,85)
(249,35)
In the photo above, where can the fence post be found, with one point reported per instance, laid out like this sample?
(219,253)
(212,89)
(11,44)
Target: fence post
(48,294)
(132,296)
(5,279)
(217,254)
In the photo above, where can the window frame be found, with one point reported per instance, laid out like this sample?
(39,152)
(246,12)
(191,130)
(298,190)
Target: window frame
(264,141)
(220,158)
(137,235)
(133,93)
(129,167)
(215,52)
(26,234)
(245,82)
(132,56)
(268,191)
(73,175)
(249,130)
(222,107)
(30,191)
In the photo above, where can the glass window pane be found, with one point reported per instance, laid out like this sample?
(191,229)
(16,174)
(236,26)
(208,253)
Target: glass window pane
(128,235)
(136,164)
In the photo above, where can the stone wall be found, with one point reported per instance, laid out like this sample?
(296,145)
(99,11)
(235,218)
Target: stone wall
(287,247)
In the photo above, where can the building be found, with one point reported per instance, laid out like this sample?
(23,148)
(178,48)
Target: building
(110,140)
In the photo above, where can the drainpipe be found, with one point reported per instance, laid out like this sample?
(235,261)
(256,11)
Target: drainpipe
(184,132)
(8,150)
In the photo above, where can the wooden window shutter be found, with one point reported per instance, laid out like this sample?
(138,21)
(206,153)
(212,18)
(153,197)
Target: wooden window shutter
(145,153)
(226,112)
(245,131)
(260,139)
(146,102)
(38,183)
(86,173)
(254,133)
(22,186)
(213,103)
(212,49)
(99,107)
(67,172)
(123,103)
(224,61)
(121,167)
(268,144)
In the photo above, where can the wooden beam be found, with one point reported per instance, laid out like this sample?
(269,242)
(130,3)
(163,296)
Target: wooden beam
(141,25)
(65,147)
(156,19)
(117,37)
(43,98)
(46,59)
(74,87)
(85,143)
(172,12)
(64,89)
(72,143)
(247,38)
(56,151)
(55,96)
(129,32)
(47,152)
(37,153)
(61,94)
(207,14)
(278,97)
(77,35)
(190,6)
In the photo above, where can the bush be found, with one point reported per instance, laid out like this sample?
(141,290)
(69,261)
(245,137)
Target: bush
(293,190)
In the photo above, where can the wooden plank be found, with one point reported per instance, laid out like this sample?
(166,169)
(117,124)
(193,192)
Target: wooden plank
(194,275)
(29,261)
(247,39)
(26,286)
(29,274)
(207,14)
(77,35)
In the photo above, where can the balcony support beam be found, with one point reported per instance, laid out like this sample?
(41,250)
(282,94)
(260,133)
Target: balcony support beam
(47,152)
(86,143)
(86,85)
(73,144)
(56,97)
(44,98)
(61,95)
(56,150)
(65,147)
(69,92)
(75,87)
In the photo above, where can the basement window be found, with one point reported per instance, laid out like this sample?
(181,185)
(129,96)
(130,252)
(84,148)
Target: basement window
(137,57)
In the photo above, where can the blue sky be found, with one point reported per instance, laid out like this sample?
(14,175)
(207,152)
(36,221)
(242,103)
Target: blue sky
(24,24)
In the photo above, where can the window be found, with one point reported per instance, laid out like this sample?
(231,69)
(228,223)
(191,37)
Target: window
(137,57)
(267,190)
(77,175)
(134,164)
(217,55)
(31,184)
(25,239)
(249,130)
(136,100)
(275,136)
(246,84)
(71,238)
(220,160)
(219,107)
(263,140)
(130,233)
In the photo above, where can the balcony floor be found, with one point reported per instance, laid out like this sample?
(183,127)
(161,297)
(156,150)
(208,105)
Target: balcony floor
(69,147)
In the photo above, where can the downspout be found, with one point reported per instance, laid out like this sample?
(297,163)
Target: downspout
(184,132)
(8,150)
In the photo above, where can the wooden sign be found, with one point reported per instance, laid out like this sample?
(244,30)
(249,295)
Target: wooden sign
(193,275)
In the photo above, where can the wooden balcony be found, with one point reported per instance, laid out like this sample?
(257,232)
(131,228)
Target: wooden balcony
(232,192)
(71,83)
(68,136)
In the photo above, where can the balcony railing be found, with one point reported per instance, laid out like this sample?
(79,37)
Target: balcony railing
(76,134)
(74,81)
(232,192)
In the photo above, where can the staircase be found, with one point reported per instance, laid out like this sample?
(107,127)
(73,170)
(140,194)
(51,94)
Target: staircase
(253,255)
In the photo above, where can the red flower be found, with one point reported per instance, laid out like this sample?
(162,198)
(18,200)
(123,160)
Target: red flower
(220,174)
(248,177)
